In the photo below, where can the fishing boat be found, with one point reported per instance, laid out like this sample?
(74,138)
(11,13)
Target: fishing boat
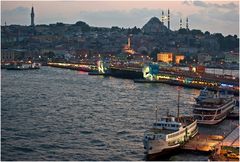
(168,133)
(213,110)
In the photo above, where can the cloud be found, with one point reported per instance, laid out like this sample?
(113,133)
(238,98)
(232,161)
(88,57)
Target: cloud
(186,3)
(230,5)
(16,11)
(203,4)
(131,18)
(215,21)
(200,4)
(226,16)
(17,15)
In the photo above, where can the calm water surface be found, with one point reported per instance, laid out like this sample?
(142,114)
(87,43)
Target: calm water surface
(58,114)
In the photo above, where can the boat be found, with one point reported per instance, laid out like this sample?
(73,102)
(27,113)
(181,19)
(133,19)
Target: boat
(20,66)
(213,110)
(168,133)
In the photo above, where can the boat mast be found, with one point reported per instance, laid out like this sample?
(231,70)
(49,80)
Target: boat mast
(156,110)
(178,103)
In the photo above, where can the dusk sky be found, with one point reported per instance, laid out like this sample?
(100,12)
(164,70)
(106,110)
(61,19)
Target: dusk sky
(212,16)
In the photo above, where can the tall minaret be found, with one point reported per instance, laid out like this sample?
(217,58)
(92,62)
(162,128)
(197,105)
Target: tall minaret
(168,19)
(129,42)
(163,17)
(180,23)
(187,23)
(32,17)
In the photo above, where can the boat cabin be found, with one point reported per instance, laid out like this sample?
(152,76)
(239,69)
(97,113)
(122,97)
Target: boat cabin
(168,123)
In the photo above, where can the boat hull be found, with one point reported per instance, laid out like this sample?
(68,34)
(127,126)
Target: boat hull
(163,154)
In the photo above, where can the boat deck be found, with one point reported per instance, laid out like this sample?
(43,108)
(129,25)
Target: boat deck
(184,120)
(159,131)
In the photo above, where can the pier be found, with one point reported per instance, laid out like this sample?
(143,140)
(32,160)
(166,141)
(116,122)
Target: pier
(203,143)
(228,148)
(171,76)
(232,139)
(73,66)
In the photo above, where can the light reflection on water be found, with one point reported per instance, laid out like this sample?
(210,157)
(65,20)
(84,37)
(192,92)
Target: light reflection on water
(58,114)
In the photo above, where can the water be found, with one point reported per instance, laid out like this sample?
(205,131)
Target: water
(58,114)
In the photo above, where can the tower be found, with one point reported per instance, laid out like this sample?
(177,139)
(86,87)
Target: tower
(129,42)
(187,23)
(180,23)
(168,19)
(163,17)
(32,17)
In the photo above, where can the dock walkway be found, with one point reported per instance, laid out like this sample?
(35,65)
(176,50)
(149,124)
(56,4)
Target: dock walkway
(203,143)
(232,139)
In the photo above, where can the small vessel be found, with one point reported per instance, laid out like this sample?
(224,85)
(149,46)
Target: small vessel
(20,66)
(168,133)
(213,110)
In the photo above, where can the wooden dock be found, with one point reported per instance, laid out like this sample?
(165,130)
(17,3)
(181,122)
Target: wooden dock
(203,143)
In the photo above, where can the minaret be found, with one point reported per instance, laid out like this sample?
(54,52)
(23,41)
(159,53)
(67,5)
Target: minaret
(163,17)
(129,42)
(180,23)
(187,23)
(32,17)
(168,19)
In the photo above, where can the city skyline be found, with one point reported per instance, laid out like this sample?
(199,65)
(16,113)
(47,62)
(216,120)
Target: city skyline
(214,16)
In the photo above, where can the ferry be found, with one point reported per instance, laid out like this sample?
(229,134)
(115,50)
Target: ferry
(214,109)
(167,134)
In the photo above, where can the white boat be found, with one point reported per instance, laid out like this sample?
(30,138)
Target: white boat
(168,133)
(213,110)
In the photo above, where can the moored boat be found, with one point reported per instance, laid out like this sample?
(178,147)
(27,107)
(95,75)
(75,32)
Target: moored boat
(20,66)
(168,133)
(213,110)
